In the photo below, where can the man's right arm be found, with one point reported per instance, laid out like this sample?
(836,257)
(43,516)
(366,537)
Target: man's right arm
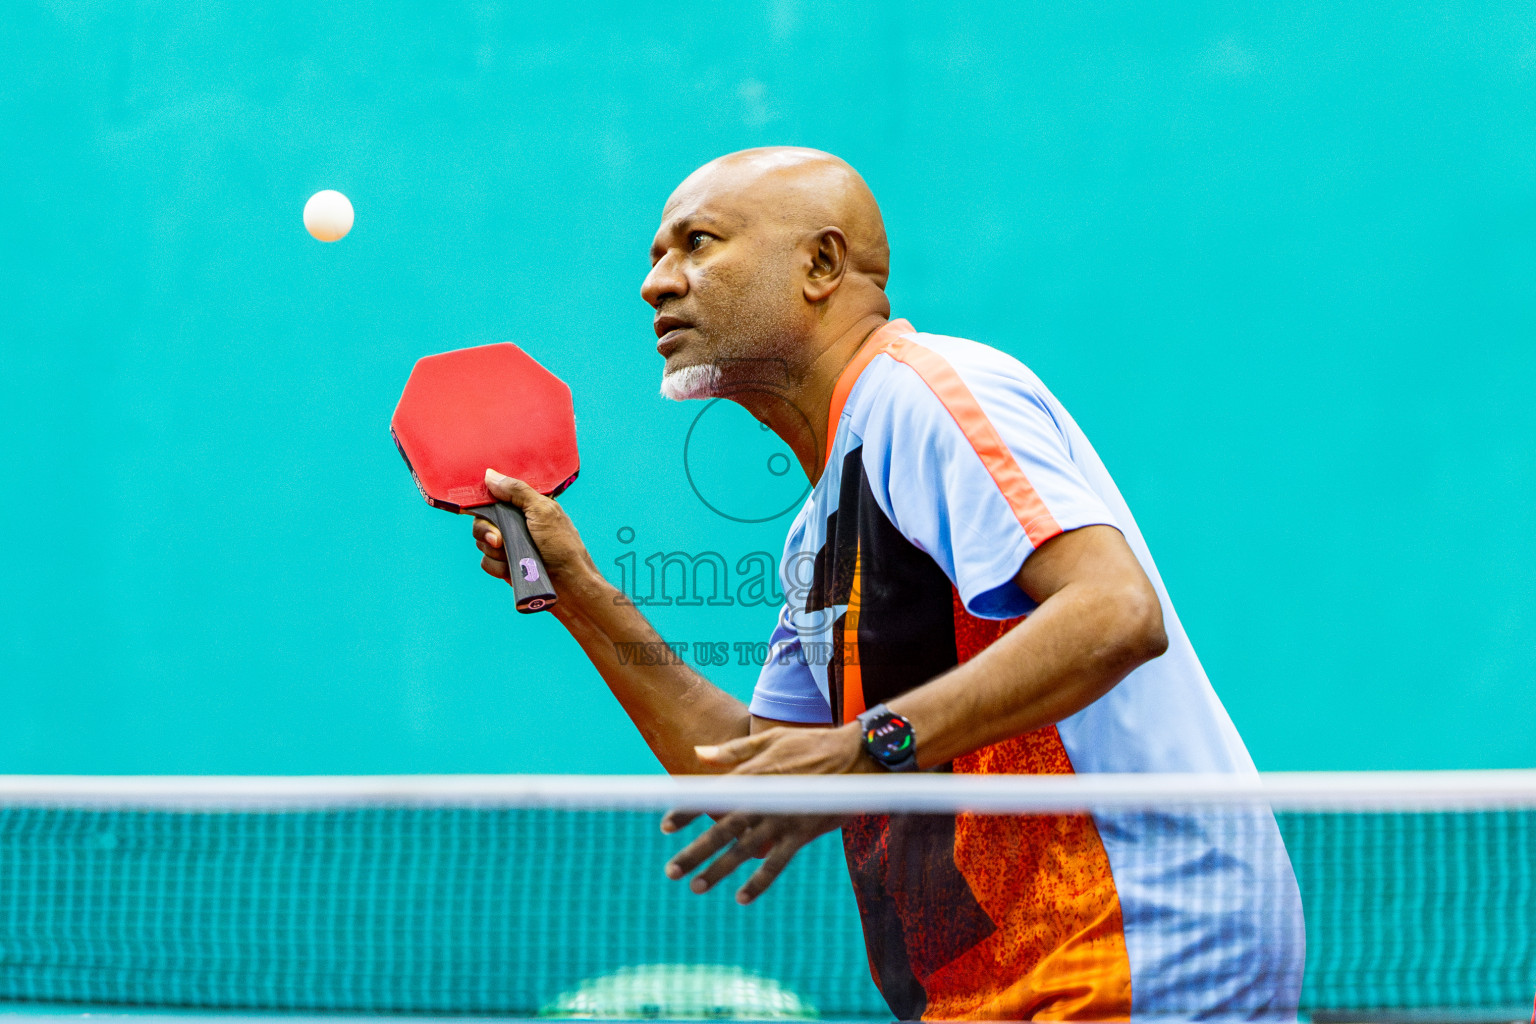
(674,707)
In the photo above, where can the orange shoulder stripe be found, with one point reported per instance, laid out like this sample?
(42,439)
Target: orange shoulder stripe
(941,378)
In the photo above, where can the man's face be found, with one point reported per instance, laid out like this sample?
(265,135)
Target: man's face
(723,281)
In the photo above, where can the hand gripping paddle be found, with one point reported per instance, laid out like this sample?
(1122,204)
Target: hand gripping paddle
(490,407)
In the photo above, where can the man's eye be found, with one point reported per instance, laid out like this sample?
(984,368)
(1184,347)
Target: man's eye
(696,239)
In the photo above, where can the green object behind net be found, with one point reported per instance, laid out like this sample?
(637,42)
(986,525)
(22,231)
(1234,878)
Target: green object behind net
(680,992)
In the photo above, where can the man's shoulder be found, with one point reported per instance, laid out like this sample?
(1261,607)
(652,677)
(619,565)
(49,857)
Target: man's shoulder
(918,372)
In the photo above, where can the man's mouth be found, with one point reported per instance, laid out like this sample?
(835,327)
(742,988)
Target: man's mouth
(669,331)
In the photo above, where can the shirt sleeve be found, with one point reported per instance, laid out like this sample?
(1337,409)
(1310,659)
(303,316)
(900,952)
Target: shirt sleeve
(786,690)
(973,467)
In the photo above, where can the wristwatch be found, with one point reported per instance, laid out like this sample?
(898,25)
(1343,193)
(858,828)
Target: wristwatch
(888,739)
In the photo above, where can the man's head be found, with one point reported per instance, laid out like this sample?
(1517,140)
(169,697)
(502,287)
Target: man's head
(762,254)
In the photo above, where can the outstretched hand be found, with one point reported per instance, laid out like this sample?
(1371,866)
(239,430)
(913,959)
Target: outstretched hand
(740,836)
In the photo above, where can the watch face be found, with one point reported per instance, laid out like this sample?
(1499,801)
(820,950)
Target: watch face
(889,740)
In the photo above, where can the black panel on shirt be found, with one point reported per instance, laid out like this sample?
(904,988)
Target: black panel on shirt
(906,611)
(906,637)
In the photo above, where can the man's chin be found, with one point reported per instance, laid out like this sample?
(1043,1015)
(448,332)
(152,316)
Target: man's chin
(691,382)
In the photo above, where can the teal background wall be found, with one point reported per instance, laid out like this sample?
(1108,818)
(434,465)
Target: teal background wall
(1278,259)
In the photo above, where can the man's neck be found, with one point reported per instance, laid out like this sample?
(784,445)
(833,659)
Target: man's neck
(797,409)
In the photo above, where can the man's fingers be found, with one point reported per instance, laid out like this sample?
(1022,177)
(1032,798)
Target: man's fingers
(775,838)
(489,551)
(744,849)
(486,534)
(488,540)
(676,821)
(733,752)
(718,836)
(773,864)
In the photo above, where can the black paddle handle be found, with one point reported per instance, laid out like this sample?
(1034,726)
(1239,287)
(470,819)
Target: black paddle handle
(530,581)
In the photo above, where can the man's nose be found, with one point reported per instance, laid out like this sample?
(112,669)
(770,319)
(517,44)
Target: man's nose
(664,281)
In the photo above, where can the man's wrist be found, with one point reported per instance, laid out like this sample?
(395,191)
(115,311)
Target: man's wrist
(861,763)
(586,598)
(588,590)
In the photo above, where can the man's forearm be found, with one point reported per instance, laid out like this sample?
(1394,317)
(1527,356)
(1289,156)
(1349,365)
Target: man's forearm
(673,706)
(1065,656)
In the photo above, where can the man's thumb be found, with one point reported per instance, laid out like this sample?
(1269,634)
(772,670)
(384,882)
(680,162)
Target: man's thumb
(730,753)
(509,489)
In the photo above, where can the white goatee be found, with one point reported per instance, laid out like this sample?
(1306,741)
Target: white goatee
(691,382)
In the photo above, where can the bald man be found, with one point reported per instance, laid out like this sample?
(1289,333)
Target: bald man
(990,607)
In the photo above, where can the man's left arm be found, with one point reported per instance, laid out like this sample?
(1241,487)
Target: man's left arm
(1098,619)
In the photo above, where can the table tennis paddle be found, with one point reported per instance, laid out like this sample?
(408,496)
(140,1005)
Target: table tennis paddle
(489,407)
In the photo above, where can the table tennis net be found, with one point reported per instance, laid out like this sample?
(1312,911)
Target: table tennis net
(545,895)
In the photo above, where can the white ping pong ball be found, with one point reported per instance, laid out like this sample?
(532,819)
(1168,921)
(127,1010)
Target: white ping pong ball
(328,215)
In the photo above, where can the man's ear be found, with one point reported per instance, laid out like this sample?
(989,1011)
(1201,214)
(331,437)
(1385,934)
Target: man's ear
(828,262)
